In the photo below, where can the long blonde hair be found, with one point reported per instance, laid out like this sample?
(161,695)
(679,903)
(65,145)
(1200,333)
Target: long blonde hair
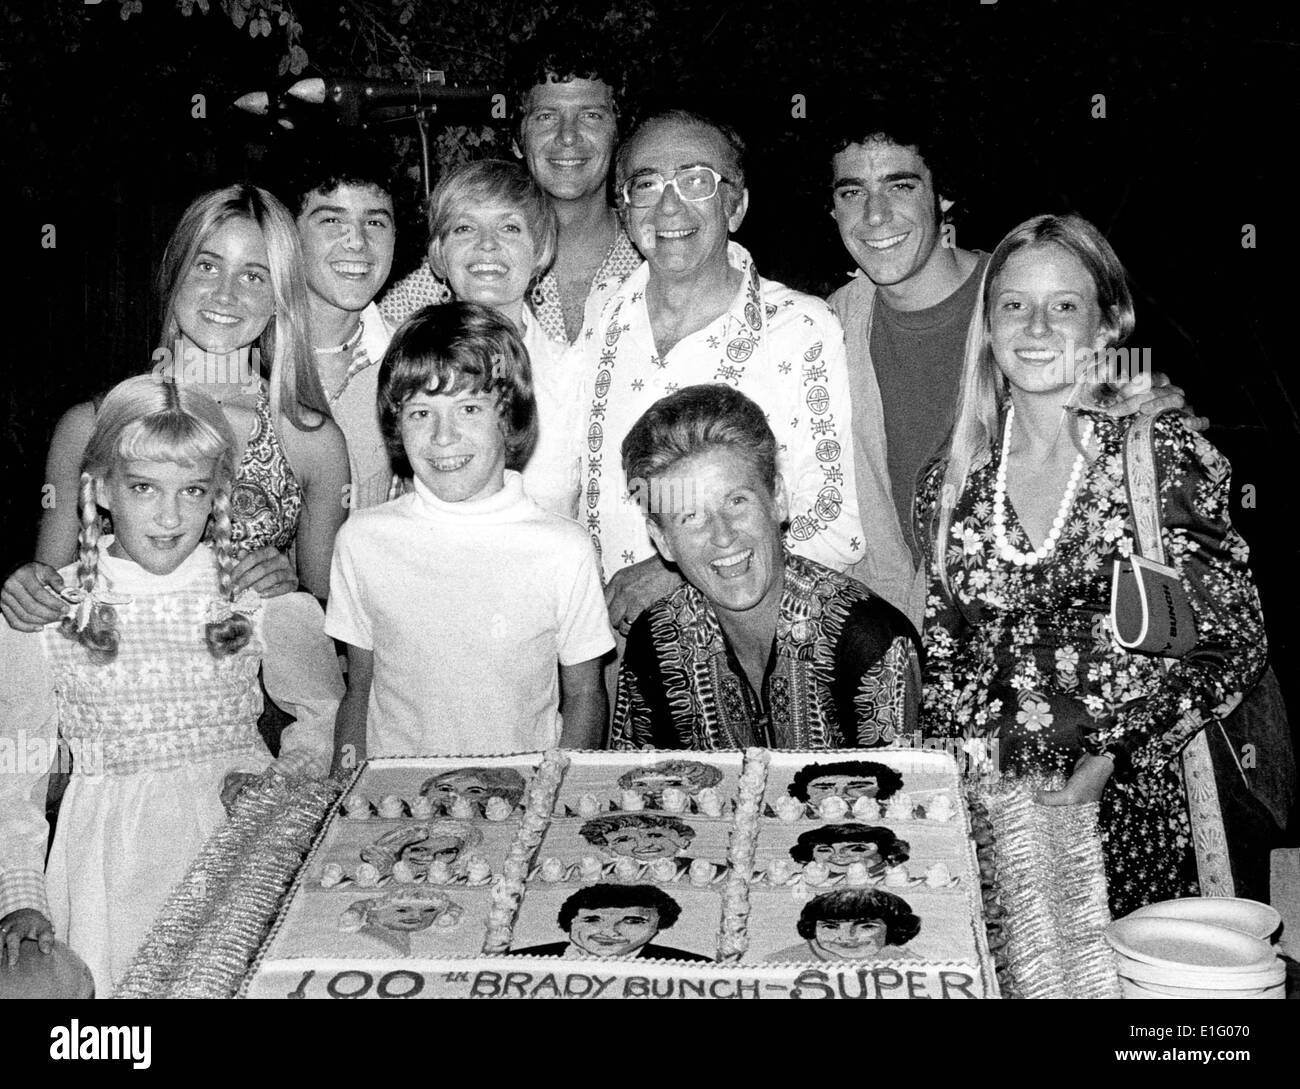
(296,390)
(145,419)
(983,386)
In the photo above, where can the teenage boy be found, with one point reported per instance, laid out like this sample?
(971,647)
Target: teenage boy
(457,600)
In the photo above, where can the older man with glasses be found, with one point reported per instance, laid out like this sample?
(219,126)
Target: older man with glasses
(698,312)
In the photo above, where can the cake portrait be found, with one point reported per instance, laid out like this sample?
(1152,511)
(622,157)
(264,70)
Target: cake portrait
(394,916)
(420,846)
(642,836)
(615,921)
(853,924)
(476,785)
(840,845)
(848,779)
(689,776)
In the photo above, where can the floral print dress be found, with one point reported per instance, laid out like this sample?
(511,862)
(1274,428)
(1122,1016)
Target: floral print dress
(1024,658)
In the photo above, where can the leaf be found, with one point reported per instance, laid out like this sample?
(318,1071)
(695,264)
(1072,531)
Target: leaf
(283,66)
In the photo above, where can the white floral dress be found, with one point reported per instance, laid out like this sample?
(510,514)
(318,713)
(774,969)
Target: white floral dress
(1024,655)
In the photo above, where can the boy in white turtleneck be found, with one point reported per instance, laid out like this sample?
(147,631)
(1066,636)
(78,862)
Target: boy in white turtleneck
(458,600)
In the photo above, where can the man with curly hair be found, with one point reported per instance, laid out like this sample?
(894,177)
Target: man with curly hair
(642,836)
(847,779)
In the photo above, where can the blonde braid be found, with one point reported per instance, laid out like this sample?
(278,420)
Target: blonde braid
(225,637)
(99,636)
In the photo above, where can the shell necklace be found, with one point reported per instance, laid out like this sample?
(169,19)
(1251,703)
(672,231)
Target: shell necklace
(1002,546)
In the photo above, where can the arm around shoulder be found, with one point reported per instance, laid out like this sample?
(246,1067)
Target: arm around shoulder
(56,543)
(320,461)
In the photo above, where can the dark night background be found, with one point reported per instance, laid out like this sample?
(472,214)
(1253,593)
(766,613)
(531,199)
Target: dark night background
(1201,111)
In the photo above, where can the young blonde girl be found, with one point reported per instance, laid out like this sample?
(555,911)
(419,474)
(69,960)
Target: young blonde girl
(151,682)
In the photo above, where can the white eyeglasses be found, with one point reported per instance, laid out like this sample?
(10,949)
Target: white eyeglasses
(694,183)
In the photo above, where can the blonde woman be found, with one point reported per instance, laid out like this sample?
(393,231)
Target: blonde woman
(233,297)
(1022,519)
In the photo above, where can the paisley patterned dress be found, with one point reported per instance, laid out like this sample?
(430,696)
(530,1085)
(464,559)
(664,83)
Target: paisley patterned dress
(266,499)
(1024,657)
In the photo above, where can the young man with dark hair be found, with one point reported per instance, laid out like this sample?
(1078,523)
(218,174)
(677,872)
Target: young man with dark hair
(343,206)
(905,319)
(566,134)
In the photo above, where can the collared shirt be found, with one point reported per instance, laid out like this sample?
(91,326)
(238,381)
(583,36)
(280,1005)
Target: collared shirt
(621,260)
(422,288)
(356,411)
(780,347)
(843,672)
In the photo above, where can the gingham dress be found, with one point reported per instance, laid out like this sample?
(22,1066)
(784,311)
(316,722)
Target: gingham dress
(153,735)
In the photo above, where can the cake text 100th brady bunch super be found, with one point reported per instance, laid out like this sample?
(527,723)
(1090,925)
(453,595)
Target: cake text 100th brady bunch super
(620,875)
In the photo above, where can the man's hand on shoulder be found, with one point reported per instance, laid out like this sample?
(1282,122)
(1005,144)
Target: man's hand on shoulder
(634,589)
(1152,394)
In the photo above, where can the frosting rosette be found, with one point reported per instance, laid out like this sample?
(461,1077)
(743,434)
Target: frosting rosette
(674,800)
(709,802)
(788,809)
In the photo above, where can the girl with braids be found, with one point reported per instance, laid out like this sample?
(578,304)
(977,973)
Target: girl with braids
(151,682)
(233,296)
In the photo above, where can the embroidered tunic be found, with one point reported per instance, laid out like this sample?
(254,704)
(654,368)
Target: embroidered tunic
(783,349)
(843,672)
(1024,655)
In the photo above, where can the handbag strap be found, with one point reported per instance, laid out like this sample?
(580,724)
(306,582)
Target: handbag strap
(1206,814)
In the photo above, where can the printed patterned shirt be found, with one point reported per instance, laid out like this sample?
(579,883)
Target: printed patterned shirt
(843,672)
(780,347)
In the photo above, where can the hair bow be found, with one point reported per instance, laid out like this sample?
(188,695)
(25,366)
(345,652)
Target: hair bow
(83,603)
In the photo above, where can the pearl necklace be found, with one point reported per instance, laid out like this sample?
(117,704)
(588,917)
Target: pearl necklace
(1001,545)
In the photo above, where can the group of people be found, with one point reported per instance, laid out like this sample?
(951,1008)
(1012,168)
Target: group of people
(587,450)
